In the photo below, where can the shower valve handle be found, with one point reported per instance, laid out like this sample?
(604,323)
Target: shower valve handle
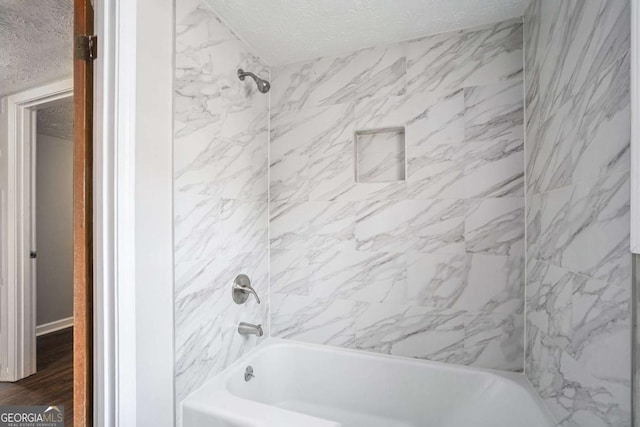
(242,288)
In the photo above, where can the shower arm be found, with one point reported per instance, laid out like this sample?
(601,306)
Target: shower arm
(263,85)
(242,74)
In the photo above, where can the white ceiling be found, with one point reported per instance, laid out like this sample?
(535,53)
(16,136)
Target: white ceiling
(56,119)
(286,31)
(35,43)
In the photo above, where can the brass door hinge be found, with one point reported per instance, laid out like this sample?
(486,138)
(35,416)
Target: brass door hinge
(87,47)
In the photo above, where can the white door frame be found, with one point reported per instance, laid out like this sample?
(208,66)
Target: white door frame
(114,215)
(114,277)
(18,345)
(130,389)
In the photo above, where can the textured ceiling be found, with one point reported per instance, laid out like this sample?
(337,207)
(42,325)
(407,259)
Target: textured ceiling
(56,119)
(286,31)
(35,43)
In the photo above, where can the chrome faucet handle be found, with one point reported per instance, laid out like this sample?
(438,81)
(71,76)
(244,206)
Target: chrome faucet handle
(241,289)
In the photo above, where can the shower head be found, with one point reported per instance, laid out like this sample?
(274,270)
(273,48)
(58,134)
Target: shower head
(263,85)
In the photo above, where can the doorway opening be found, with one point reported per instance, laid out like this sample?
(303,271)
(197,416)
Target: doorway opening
(53,252)
(37,304)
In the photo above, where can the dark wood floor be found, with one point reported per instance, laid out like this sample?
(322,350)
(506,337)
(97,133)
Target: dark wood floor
(53,383)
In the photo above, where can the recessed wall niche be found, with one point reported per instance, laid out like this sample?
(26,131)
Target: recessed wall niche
(380,155)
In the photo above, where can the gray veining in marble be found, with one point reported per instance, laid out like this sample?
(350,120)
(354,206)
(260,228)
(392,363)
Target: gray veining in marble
(432,264)
(429,264)
(381,156)
(495,226)
(365,73)
(494,112)
(466,58)
(220,196)
(579,268)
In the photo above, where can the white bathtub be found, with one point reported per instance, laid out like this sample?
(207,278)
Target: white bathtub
(304,385)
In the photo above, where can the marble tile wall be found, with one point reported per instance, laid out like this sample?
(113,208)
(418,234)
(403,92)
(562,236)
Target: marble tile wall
(578,305)
(431,266)
(220,192)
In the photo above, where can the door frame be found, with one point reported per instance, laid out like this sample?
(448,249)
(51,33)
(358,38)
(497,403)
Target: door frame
(128,388)
(114,326)
(20,338)
(114,281)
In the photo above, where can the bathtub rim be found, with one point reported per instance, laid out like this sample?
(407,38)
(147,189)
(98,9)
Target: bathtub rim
(270,342)
(220,382)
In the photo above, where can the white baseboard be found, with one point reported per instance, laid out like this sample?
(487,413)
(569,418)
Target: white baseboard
(56,325)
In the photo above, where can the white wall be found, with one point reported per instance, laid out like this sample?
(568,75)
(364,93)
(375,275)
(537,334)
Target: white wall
(54,228)
(154,216)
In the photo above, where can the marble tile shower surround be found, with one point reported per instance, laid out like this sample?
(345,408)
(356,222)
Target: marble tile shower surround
(431,266)
(577,164)
(220,195)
